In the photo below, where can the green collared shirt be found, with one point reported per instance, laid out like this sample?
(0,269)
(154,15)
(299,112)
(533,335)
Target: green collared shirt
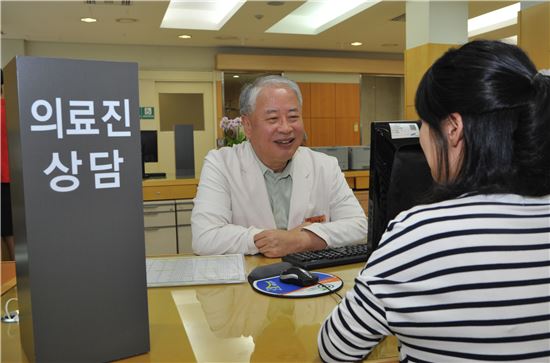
(279,190)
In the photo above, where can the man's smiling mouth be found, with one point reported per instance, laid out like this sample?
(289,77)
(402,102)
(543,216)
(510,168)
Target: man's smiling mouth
(284,142)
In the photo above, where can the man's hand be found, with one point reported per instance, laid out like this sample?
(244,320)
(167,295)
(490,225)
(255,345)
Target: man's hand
(278,243)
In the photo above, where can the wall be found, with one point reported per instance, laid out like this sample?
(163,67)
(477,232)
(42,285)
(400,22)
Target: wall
(198,65)
(184,82)
(323,77)
(148,57)
(11,48)
(382,99)
(182,64)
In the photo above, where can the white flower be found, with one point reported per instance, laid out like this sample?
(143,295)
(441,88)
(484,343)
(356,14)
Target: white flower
(232,130)
(230,124)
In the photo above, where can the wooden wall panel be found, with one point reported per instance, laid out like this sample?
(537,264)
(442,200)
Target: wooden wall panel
(307,129)
(322,132)
(306,99)
(347,100)
(322,100)
(321,121)
(347,131)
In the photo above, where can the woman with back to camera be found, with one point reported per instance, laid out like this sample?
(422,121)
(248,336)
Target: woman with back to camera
(466,278)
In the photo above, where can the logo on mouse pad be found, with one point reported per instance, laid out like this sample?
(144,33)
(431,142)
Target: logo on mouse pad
(272,286)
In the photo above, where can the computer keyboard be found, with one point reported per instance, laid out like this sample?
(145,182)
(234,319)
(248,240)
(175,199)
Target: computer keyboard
(329,257)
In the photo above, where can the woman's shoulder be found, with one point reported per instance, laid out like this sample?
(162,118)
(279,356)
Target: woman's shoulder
(463,208)
(437,228)
(468,203)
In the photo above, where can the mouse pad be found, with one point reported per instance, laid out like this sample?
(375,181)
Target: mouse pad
(273,286)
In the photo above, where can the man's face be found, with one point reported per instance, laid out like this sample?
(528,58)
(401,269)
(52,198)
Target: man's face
(275,128)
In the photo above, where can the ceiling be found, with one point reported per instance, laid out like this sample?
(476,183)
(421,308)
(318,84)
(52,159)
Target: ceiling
(59,21)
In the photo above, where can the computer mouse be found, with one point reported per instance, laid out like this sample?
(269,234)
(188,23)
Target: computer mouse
(298,276)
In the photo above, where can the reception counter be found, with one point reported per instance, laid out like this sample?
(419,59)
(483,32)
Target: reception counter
(228,323)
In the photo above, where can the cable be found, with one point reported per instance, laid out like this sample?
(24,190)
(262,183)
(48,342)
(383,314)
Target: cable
(331,290)
(10,317)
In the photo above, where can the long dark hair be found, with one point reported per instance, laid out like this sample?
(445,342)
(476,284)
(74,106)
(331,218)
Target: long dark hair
(505,107)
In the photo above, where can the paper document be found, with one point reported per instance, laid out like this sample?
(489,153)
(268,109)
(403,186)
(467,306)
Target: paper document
(195,270)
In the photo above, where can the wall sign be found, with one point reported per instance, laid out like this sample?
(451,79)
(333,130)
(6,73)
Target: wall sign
(147,113)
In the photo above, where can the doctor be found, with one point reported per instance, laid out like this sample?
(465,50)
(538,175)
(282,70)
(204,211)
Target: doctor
(270,195)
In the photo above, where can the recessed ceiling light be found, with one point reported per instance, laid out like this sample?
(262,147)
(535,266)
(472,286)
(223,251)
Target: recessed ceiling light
(235,76)
(497,19)
(203,15)
(356,44)
(315,16)
(184,36)
(88,20)
(126,20)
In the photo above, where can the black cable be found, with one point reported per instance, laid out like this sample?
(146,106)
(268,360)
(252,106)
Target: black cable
(331,290)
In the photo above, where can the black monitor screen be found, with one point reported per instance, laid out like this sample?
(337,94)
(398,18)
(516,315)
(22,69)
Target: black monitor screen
(399,174)
(149,148)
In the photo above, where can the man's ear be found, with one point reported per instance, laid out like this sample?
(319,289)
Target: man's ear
(454,129)
(245,121)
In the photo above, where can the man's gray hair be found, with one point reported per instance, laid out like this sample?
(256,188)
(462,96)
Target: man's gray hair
(250,92)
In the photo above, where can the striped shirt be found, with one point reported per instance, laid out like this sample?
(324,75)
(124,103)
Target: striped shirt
(464,280)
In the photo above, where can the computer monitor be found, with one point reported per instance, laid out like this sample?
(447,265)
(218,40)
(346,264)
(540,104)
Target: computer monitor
(400,177)
(149,149)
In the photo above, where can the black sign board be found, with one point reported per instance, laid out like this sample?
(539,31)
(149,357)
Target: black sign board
(74,145)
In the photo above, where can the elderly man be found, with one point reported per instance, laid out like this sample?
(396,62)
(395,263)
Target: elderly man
(270,195)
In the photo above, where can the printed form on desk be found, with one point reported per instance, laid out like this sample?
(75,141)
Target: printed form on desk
(195,270)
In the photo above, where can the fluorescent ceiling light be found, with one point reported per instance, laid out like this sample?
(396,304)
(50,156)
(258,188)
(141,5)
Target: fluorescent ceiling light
(493,20)
(88,20)
(203,15)
(356,44)
(315,16)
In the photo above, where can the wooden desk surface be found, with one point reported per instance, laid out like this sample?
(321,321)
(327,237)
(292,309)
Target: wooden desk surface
(8,275)
(229,323)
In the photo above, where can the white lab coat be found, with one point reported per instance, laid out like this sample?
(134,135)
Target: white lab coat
(232,204)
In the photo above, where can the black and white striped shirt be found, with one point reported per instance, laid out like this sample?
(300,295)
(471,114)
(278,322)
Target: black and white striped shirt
(463,280)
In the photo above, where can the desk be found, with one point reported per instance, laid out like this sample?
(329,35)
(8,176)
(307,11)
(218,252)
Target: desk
(170,188)
(8,275)
(174,188)
(228,323)
(357,179)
